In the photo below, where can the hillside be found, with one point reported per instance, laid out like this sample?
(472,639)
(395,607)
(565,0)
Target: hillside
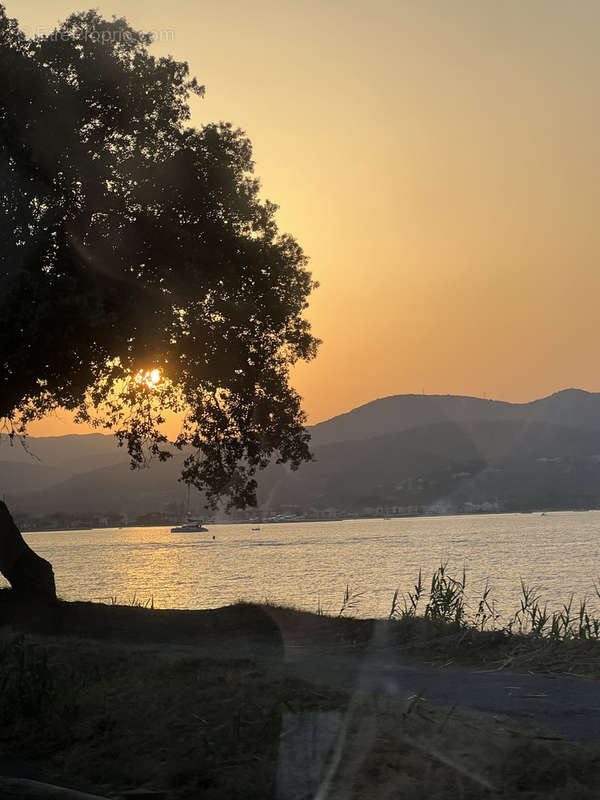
(84,473)
(72,453)
(115,488)
(406,450)
(571,407)
(22,476)
(522,464)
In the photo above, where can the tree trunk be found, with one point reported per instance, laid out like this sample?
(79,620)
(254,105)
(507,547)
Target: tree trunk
(27,573)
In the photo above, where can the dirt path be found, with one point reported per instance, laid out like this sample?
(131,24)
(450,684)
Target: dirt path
(567,707)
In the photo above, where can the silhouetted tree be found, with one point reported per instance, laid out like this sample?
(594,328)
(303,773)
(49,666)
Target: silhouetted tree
(131,241)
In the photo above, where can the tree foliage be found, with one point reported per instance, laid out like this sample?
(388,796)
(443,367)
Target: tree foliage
(130,240)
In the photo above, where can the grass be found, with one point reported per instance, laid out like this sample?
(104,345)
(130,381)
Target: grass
(450,628)
(123,697)
(26,682)
(123,719)
(209,727)
(418,751)
(447,603)
(133,600)
(435,641)
(437,622)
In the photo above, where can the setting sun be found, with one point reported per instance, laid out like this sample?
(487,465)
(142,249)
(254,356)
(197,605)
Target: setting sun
(149,378)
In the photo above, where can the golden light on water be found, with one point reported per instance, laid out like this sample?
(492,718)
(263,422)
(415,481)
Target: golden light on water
(150,378)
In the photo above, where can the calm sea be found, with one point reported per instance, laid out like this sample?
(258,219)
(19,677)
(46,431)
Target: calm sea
(311,563)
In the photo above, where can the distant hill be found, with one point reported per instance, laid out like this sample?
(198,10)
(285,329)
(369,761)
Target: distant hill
(521,463)
(72,453)
(571,408)
(114,488)
(403,450)
(22,476)
(86,472)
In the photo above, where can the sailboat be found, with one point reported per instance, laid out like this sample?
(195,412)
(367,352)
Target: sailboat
(191,525)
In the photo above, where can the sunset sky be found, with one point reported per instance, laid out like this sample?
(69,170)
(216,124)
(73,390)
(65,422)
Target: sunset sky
(438,160)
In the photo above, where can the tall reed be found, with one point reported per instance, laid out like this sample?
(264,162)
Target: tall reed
(447,603)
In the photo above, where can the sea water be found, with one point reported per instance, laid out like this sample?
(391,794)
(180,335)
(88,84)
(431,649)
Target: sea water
(310,564)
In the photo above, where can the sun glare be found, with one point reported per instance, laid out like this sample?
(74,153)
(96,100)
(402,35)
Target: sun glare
(150,378)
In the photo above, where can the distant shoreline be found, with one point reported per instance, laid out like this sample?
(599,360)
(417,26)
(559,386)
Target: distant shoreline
(257,523)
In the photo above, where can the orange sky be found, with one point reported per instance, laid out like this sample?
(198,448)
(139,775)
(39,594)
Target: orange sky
(439,160)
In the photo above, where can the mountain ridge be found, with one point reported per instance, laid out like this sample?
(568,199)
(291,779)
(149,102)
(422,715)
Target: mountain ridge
(360,456)
(401,412)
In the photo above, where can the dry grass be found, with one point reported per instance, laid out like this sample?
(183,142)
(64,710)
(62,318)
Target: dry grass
(125,719)
(121,718)
(178,701)
(416,752)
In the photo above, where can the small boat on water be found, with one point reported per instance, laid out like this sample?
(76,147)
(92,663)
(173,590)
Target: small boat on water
(193,526)
(255,529)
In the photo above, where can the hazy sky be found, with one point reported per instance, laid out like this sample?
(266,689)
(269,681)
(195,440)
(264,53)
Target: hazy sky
(439,162)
